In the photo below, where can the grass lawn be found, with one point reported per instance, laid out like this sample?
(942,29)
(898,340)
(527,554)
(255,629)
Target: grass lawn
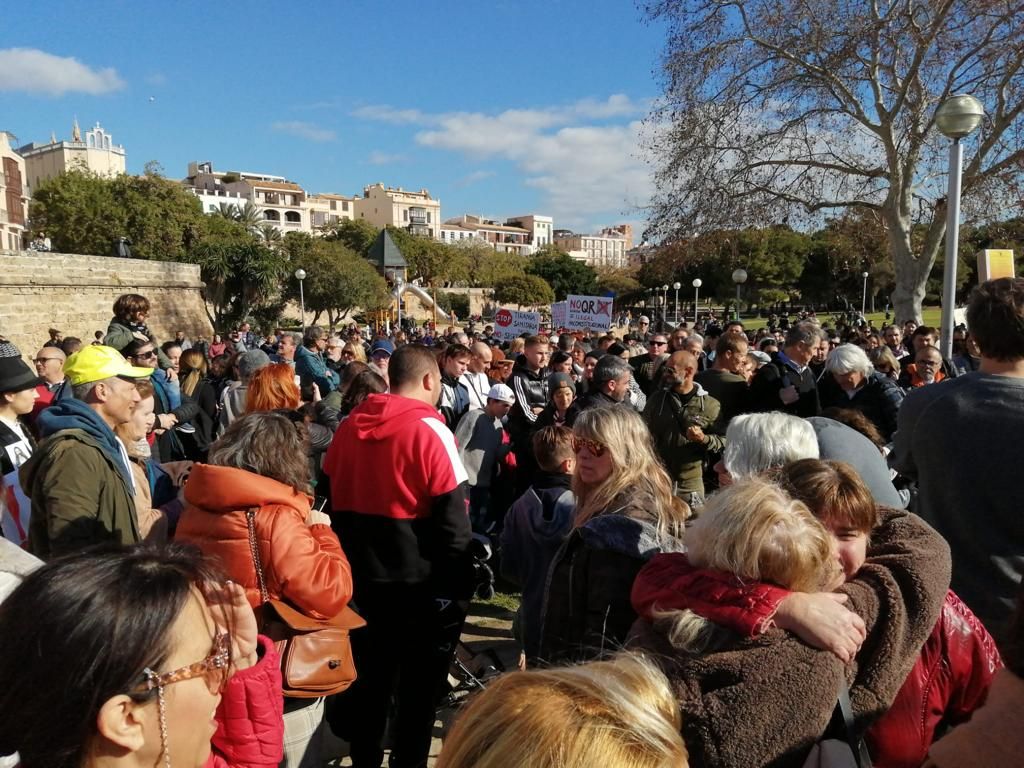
(930,315)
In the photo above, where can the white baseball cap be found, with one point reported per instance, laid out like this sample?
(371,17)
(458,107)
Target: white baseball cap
(501,393)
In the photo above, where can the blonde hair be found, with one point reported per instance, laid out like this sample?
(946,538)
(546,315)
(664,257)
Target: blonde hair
(357,350)
(754,530)
(636,470)
(619,713)
(517,345)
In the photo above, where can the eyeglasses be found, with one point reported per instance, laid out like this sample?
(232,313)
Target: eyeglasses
(929,363)
(595,447)
(658,343)
(145,355)
(43,360)
(213,669)
(347,353)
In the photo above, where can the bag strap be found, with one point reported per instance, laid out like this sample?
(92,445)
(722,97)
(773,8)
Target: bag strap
(857,745)
(250,524)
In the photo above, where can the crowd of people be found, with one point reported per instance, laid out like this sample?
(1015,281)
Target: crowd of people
(719,534)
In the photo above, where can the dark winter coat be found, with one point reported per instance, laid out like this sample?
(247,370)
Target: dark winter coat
(879,399)
(770,379)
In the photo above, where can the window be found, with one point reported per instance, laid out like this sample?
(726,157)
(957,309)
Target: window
(334,205)
(405,214)
(428,217)
(344,205)
(293,217)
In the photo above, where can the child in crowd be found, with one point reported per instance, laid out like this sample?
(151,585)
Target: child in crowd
(482,445)
(535,527)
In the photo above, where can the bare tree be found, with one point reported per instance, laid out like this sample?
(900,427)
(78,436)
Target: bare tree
(779,108)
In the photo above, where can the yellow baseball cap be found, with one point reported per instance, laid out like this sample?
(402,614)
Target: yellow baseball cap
(95,363)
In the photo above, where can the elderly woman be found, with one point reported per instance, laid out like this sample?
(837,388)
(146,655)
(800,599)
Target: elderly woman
(850,381)
(255,493)
(167,670)
(625,513)
(765,700)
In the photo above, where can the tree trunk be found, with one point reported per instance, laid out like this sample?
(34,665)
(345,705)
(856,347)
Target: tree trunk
(912,270)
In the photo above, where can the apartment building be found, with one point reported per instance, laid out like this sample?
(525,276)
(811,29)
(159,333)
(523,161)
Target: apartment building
(455,233)
(540,228)
(325,209)
(416,212)
(13,196)
(501,237)
(281,202)
(595,250)
(96,152)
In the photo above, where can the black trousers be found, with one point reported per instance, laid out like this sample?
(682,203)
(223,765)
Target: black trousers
(403,653)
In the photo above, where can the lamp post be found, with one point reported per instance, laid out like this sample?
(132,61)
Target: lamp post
(864,296)
(739,276)
(664,305)
(677,286)
(401,284)
(300,275)
(956,118)
(696,297)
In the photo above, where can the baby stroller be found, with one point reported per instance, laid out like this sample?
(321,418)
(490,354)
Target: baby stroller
(471,671)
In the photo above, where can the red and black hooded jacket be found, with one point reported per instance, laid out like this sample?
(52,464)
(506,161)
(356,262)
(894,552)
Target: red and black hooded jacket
(398,496)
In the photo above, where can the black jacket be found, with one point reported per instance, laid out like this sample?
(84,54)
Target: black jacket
(587,609)
(531,391)
(879,400)
(776,375)
(592,399)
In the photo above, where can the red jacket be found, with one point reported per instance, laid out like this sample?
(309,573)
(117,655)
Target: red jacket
(250,723)
(398,494)
(302,564)
(950,678)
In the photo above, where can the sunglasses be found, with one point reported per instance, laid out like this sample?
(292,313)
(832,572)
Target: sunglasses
(595,447)
(658,343)
(43,360)
(145,355)
(213,669)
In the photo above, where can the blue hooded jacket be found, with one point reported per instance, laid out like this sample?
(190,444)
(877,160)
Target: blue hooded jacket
(74,414)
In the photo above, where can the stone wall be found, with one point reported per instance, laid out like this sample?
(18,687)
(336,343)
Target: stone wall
(75,294)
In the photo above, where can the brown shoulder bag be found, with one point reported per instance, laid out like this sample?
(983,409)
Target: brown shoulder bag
(316,654)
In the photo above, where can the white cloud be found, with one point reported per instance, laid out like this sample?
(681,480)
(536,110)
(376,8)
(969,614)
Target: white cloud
(473,178)
(34,71)
(385,114)
(582,157)
(302,130)
(383,158)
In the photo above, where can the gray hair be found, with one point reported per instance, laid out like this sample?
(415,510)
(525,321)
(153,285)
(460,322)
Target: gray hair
(804,332)
(295,336)
(610,368)
(848,358)
(249,362)
(757,442)
(335,341)
(313,334)
(83,392)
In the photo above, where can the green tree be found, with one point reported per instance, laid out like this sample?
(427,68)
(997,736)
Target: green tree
(436,263)
(269,234)
(83,212)
(562,273)
(488,268)
(621,282)
(524,291)
(357,234)
(241,277)
(338,280)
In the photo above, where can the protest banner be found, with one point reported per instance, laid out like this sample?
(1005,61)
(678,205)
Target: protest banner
(509,323)
(588,313)
(558,315)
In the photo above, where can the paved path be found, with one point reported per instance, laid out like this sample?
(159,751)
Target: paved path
(488,628)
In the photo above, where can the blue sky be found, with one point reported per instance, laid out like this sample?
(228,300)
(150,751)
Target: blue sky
(497,107)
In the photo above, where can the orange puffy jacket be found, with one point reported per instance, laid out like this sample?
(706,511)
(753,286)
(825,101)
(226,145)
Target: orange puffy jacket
(302,564)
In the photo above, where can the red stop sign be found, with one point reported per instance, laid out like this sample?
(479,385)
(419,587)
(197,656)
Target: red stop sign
(503,318)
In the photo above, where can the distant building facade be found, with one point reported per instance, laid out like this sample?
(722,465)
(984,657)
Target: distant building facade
(416,212)
(13,196)
(541,229)
(95,152)
(595,250)
(326,209)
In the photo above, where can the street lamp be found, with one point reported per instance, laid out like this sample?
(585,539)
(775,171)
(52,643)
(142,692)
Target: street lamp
(664,305)
(677,286)
(956,118)
(300,275)
(696,296)
(400,283)
(864,296)
(739,276)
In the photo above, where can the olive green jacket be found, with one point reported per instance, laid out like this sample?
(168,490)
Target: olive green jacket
(668,420)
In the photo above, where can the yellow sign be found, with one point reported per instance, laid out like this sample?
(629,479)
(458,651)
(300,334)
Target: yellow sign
(993,264)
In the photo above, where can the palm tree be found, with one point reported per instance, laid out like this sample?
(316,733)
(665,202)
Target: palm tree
(250,215)
(227,211)
(270,234)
